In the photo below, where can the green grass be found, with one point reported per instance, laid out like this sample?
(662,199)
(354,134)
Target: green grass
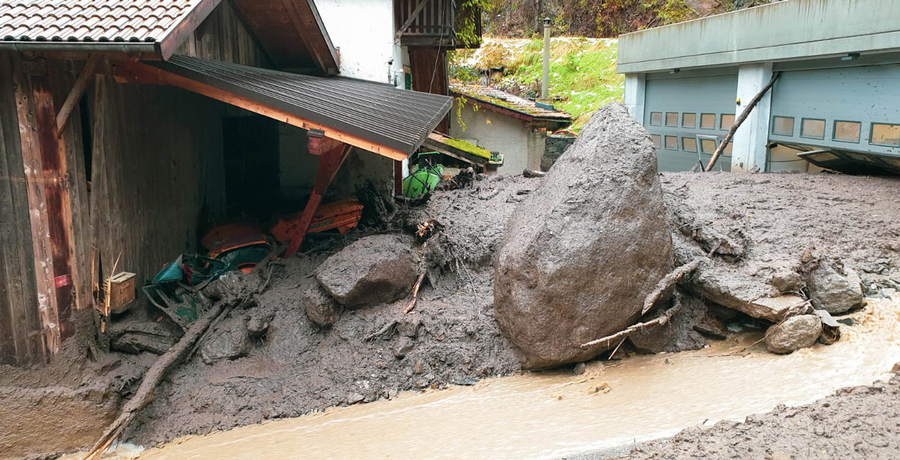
(582,72)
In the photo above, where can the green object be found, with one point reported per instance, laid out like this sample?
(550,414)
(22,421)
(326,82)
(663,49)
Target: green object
(171,289)
(245,256)
(424,177)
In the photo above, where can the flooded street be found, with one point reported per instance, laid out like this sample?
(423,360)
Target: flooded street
(548,415)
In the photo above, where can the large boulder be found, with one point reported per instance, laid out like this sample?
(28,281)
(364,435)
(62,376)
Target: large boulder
(582,252)
(793,334)
(373,270)
(833,291)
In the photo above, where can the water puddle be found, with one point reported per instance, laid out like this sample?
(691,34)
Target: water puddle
(550,415)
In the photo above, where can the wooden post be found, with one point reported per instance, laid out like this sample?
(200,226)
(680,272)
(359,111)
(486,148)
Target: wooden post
(330,161)
(37,212)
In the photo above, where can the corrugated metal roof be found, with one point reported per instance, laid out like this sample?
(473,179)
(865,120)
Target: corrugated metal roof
(378,113)
(502,99)
(91,20)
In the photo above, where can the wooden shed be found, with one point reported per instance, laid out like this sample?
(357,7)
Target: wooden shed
(113,120)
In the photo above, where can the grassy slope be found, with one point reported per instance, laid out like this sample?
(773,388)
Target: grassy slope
(582,71)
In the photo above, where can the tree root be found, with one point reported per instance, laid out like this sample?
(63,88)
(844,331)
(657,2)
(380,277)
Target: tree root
(637,327)
(667,282)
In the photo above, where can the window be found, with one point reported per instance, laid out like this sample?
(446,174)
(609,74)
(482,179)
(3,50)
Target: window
(883,134)
(812,128)
(783,126)
(708,121)
(727,122)
(689,120)
(689,144)
(672,119)
(708,145)
(655,118)
(657,141)
(671,143)
(846,131)
(727,149)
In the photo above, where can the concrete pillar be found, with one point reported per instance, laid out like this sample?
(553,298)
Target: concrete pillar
(749,150)
(635,92)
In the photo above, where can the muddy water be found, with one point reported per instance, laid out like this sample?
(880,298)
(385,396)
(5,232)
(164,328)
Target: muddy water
(549,415)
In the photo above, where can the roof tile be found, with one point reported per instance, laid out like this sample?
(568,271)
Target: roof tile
(90,20)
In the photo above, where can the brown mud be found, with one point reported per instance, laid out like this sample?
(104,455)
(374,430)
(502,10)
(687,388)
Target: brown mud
(755,226)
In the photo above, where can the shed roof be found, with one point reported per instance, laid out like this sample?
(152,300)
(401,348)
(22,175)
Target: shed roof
(397,120)
(500,101)
(123,22)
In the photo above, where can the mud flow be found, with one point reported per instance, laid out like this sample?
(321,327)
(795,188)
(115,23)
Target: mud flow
(554,414)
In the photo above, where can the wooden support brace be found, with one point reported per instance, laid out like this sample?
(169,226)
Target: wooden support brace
(329,163)
(412,17)
(90,67)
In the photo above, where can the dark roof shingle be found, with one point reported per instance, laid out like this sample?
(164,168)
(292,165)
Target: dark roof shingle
(378,113)
(91,20)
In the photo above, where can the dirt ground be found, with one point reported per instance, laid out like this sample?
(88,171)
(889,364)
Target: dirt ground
(766,222)
(855,423)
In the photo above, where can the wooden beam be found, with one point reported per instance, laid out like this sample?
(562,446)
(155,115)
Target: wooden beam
(77,90)
(412,17)
(329,163)
(309,26)
(43,260)
(141,73)
(180,30)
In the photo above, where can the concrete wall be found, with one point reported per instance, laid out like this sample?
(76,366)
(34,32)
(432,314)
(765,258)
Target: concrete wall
(788,30)
(521,148)
(364,32)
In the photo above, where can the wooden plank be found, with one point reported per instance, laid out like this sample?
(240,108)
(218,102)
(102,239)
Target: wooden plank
(87,73)
(55,179)
(40,227)
(16,230)
(411,18)
(141,73)
(180,31)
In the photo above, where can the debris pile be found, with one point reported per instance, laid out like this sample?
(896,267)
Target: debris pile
(582,252)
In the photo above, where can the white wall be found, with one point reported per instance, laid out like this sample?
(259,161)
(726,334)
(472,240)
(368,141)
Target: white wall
(521,148)
(364,32)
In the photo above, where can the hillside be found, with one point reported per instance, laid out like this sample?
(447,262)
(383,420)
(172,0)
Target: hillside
(582,71)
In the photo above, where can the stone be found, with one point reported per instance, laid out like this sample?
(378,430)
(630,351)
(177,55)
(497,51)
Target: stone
(258,323)
(796,332)
(731,290)
(712,328)
(403,347)
(228,342)
(373,270)
(833,291)
(409,327)
(786,281)
(579,369)
(320,307)
(581,252)
(653,339)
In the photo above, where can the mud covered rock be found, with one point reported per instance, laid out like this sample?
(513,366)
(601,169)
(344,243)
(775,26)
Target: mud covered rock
(229,341)
(320,307)
(375,269)
(653,339)
(582,252)
(833,291)
(793,334)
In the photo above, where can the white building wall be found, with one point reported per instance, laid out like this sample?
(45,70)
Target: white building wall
(364,32)
(499,133)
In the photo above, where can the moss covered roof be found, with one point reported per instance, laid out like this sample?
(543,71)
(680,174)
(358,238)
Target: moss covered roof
(495,98)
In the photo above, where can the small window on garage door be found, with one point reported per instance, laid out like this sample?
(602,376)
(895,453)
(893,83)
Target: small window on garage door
(707,145)
(657,141)
(672,119)
(812,128)
(689,144)
(783,126)
(655,118)
(727,122)
(847,131)
(689,120)
(671,143)
(708,121)
(885,134)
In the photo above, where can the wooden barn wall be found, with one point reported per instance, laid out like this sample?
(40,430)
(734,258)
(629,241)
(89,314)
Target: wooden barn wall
(20,326)
(156,159)
(223,37)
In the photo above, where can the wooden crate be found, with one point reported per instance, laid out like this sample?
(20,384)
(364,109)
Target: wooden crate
(121,291)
